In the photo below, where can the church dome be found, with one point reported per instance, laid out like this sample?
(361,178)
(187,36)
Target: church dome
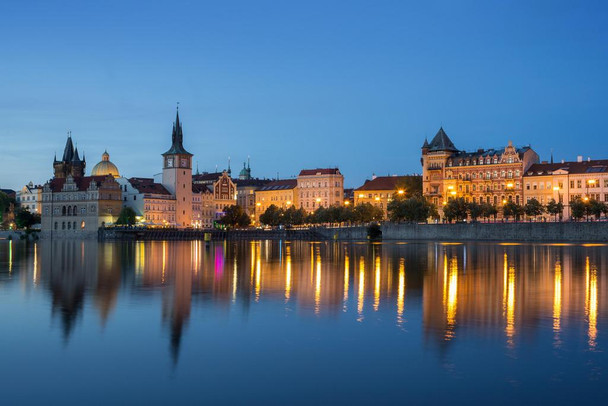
(105,167)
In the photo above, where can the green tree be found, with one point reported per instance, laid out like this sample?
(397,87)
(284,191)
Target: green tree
(577,208)
(410,186)
(126,217)
(5,203)
(533,208)
(555,208)
(475,210)
(456,209)
(489,210)
(412,209)
(235,216)
(367,212)
(272,216)
(25,219)
(293,216)
(511,209)
(596,208)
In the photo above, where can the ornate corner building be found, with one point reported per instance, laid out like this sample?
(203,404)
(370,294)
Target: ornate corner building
(492,176)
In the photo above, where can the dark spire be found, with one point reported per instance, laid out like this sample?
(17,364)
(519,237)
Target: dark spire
(441,142)
(76,158)
(426,143)
(68,152)
(177,139)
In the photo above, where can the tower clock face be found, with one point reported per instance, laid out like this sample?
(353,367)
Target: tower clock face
(170,162)
(184,163)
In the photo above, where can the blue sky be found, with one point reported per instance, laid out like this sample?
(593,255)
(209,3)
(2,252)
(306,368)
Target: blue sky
(357,84)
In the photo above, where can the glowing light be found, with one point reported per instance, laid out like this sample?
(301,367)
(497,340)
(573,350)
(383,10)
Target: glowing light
(361,195)
(346,202)
(509,185)
(35,277)
(510,311)
(377,285)
(318,285)
(400,192)
(450,294)
(401,291)
(591,181)
(453,192)
(556,188)
(234,280)
(450,187)
(318,200)
(258,204)
(557,300)
(346,278)
(377,198)
(361,293)
(288,273)
(591,302)
(258,274)
(10,256)
(288,202)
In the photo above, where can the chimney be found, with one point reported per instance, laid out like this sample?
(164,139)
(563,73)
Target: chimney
(373,176)
(563,161)
(579,158)
(588,159)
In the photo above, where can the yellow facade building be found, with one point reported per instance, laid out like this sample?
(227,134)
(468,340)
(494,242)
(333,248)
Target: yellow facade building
(320,188)
(380,190)
(281,193)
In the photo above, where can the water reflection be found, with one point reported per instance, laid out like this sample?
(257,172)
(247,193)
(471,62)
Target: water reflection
(504,291)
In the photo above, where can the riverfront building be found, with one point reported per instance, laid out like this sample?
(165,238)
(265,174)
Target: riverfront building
(74,204)
(380,190)
(281,193)
(567,181)
(322,187)
(492,176)
(30,198)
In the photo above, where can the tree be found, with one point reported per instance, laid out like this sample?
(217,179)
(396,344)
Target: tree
(5,203)
(235,216)
(511,209)
(489,210)
(410,185)
(367,212)
(25,219)
(577,209)
(413,209)
(456,209)
(596,208)
(475,210)
(555,208)
(126,217)
(272,216)
(293,216)
(533,208)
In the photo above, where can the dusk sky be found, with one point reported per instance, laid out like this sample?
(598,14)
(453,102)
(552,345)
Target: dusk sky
(297,85)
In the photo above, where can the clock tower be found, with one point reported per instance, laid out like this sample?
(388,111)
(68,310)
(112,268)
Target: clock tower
(177,175)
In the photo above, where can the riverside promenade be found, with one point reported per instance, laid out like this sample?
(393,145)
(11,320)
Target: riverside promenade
(566,232)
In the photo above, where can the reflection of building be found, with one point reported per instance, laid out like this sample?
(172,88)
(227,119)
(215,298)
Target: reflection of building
(30,197)
(281,193)
(320,188)
(567,181)
(380,190)
(484,176)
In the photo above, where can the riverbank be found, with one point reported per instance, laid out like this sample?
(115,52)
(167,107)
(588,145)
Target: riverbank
(501,232)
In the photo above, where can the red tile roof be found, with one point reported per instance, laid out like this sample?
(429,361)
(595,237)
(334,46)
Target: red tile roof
(383,183)
(319,171)
(147,185)
(82,183)
(593,166)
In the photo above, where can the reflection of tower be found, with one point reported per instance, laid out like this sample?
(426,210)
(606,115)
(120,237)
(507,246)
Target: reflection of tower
(108,281)
(72,266)
(176,305)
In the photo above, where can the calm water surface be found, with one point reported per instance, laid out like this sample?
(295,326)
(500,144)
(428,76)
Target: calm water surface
(270,322)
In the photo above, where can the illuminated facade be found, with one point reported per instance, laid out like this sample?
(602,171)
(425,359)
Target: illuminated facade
(322,187)
(380,190)
(281,193)
(203,209)
(492,176)
(30,198)
(567,181)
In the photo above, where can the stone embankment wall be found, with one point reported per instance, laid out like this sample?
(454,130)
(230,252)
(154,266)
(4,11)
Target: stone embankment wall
(541,232)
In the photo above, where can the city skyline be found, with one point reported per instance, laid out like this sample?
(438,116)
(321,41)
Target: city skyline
(386,75)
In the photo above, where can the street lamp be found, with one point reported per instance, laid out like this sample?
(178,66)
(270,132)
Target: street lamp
(400,192)
(346,202)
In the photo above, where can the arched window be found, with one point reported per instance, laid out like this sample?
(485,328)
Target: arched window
(63,211)
(74,212)
(69,210)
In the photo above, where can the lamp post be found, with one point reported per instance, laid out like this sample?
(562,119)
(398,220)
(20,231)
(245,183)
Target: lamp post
(589,182)
(559,199)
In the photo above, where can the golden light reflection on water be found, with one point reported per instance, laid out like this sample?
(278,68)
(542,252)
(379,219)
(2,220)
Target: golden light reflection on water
(546,291)
(450,294)
(361,291)
(557,300)
(401,291)
(591,302)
